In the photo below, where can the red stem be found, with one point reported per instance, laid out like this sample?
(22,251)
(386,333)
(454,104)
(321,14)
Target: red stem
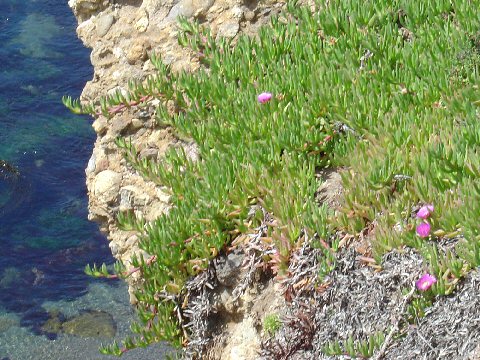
(128,273)
(120,107)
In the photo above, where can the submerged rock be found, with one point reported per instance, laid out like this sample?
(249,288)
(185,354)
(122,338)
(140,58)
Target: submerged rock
(7,321)
(54,324)
(91,324)
(10,276)
(88,324)
(7,170)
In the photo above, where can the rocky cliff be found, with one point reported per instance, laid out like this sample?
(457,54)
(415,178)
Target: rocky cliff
(122,35)
(355,305)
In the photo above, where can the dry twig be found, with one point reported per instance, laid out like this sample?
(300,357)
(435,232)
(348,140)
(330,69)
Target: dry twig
(396,326)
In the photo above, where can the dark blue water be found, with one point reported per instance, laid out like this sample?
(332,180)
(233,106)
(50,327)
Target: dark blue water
(45,237)
(44,232)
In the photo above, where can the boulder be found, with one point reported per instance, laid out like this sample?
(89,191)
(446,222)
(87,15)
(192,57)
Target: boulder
(107,185)
(91,324)
(84,9)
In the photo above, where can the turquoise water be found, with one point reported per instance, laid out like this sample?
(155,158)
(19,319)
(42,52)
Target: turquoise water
(45,236)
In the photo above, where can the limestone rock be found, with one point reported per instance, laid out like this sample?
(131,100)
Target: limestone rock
(137,123)
(100,125)
(156,210)
(142,21)
(85,30)
(189,8)
(114,248)
(84,9)
(192,150)
(244,342)
(202,6)
(249,15)
(103,57)
(120,124)
(149,153)
(132,196)
(228,30)
(152,7)
(162,195)
(142,24)
(103,24)
(331,190)
(183,8)
(237,13)
(101,163)
(138,51)
(157,137)
(98,213)
(132,242)
(91,165)
(107,185)
(228,269)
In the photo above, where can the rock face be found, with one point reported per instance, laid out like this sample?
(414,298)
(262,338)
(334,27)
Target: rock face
(83,9)
(121,38)
(106,185)
(122,35)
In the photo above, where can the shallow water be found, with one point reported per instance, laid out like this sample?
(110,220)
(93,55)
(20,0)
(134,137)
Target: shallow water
(20,343)
(46,239)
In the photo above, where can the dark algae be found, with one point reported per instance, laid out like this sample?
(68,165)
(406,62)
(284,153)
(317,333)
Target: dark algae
(7,170)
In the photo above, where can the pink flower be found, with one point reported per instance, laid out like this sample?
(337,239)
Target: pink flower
(264,97)
(425,211)
(425,282)
(423,230)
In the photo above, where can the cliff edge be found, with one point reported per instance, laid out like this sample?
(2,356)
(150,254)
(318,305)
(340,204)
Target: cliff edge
(335,301)
(122,35)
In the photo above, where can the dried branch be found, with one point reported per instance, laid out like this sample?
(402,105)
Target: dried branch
(396,326)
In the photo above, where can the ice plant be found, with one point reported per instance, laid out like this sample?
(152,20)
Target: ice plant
(423,230)
(425,211)
(264,97)
(425,282)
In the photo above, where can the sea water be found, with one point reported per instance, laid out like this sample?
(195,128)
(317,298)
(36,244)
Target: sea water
(45,237)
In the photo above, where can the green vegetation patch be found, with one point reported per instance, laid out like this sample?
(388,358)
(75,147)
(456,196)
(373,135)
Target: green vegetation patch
(271,324)
(387,91)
